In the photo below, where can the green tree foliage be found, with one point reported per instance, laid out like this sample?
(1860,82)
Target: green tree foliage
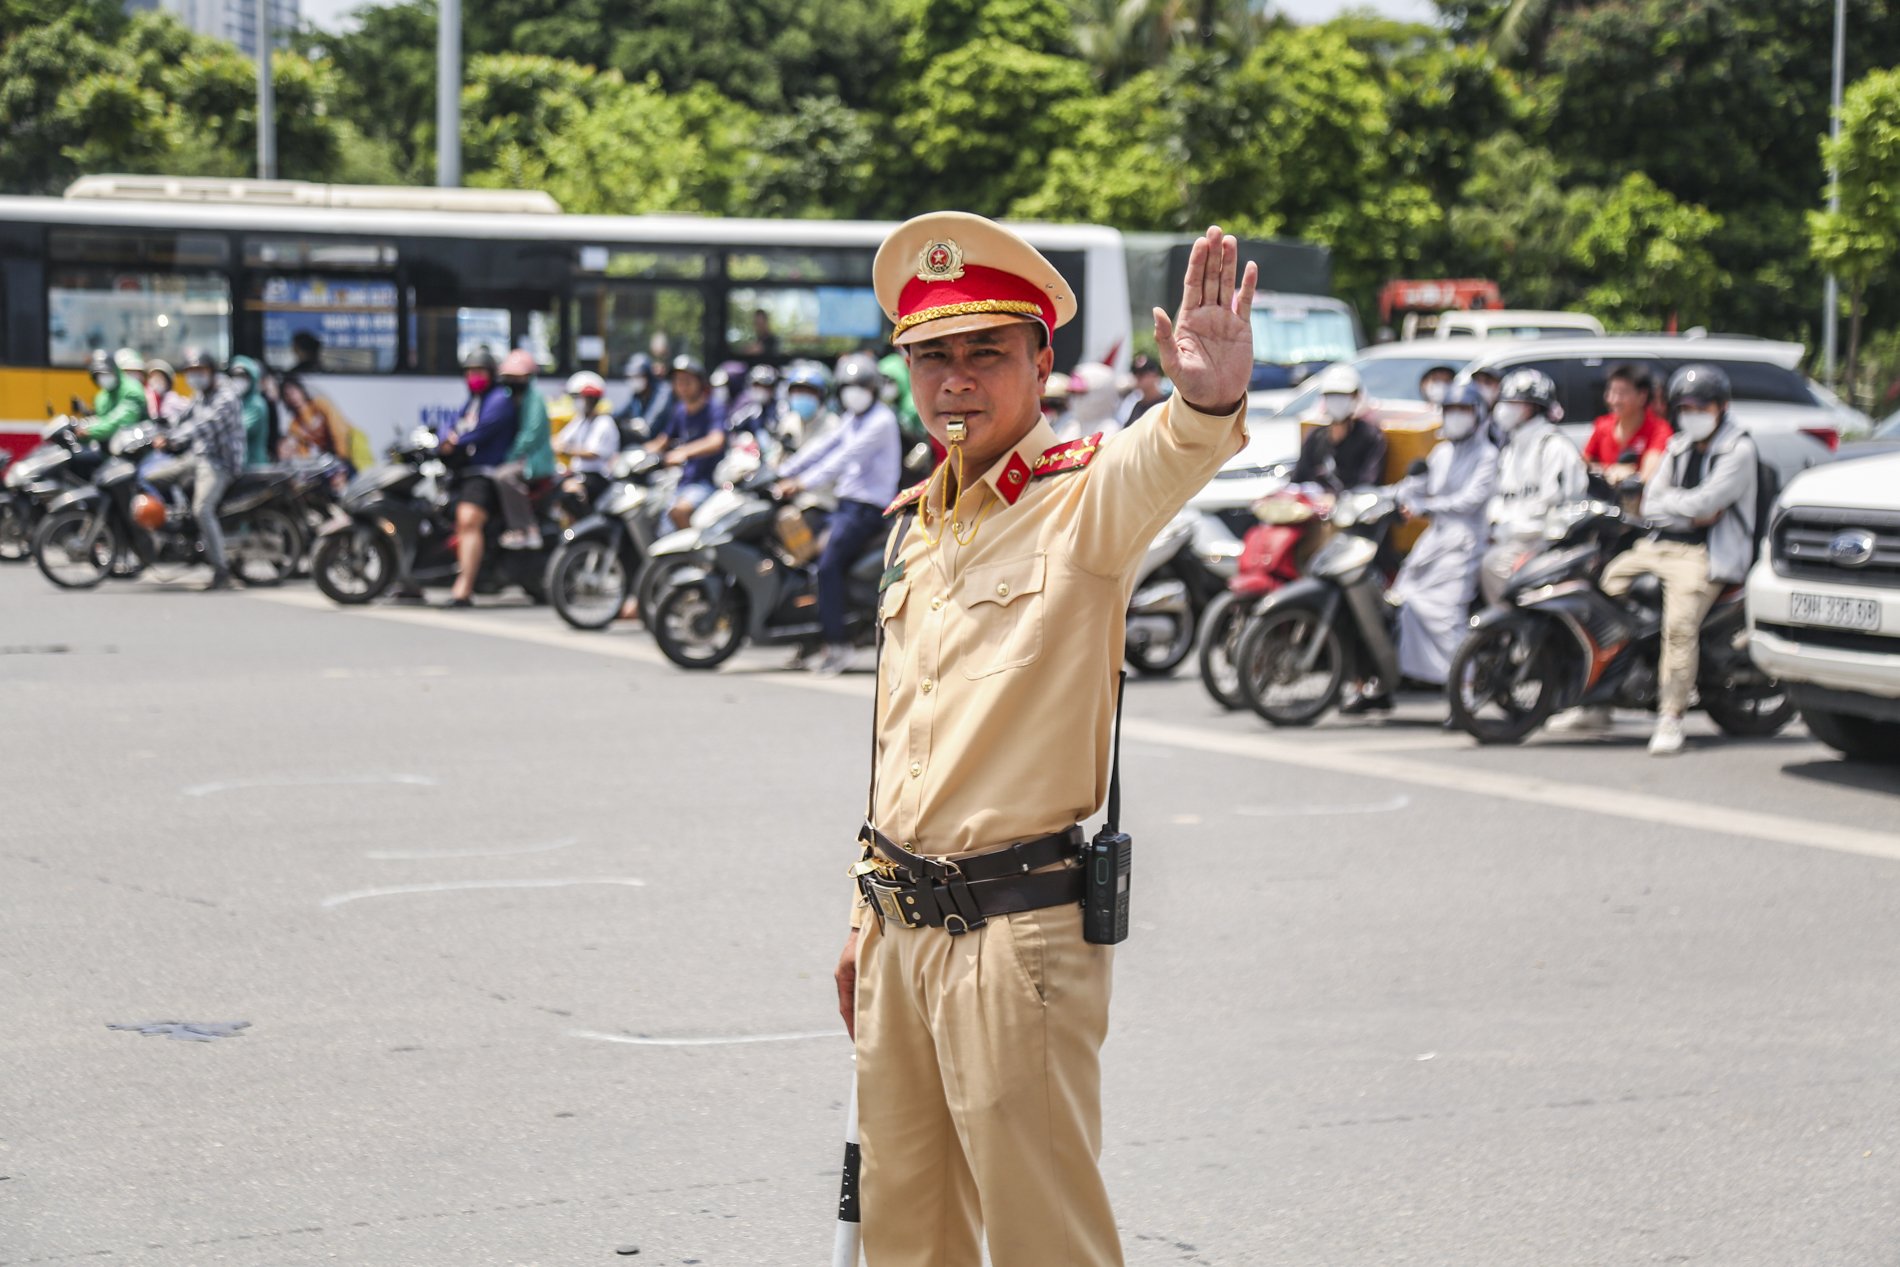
(1651,257)
(1514,222)
(1860,243)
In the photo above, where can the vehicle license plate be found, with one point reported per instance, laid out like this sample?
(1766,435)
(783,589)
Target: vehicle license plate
(1841,613)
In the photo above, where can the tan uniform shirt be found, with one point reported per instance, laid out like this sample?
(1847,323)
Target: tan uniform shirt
(997,680)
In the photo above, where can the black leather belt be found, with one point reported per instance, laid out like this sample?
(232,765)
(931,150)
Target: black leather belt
(959,896)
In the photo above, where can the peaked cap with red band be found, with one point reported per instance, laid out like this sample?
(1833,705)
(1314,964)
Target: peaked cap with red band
(951,272)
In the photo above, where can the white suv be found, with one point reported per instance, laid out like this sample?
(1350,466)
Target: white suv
(1824,603)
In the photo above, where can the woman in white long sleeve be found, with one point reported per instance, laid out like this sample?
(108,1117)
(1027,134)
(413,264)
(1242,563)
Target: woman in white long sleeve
(1539,470)
(1440,576)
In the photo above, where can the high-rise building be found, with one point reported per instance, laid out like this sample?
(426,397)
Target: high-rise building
(234,20)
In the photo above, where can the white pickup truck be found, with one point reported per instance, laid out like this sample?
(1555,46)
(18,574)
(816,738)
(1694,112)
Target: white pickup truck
(1824,603)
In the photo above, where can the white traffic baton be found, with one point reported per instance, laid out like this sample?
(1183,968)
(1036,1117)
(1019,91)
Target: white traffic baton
(845,1251)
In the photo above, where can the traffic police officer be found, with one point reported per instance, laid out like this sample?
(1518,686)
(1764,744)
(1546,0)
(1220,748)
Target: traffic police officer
(977,1007)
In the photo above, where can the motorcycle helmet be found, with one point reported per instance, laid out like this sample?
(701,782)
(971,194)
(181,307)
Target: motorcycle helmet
(128,361)
(686,363)
(148,512)
(518,366)
(639,365)
(809,375)
(1524,394)
(587,383)
(479,358)
(859,368)
(198,359)
(728,374)
(156,366)
(100,362)
(1340,380)
(1464,400)
(761,376)
(1703,384)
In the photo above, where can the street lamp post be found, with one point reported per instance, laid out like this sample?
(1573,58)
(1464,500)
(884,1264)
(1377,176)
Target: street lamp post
(1830,315)
(266,100)
(448,94)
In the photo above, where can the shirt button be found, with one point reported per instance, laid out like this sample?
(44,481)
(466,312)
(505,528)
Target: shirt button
(958,528)
(1003,589)
(936,604)
(916,768)
(928,686)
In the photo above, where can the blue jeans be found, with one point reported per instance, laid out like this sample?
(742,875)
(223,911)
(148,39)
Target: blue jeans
(852,527)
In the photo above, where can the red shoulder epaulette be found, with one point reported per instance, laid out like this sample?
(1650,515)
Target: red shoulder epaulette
(906,497)
(1072,456)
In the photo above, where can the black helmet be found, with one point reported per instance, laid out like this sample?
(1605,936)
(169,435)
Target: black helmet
(101,362)
(639,365)
(860,369)
(1703,384)
(761,376)
(480,358)
(1530,387)
(198,359)
(688,364)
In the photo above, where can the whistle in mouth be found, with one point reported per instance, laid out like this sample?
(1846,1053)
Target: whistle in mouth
(956,430)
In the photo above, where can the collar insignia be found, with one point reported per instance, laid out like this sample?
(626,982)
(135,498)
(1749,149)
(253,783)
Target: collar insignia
(1072,456)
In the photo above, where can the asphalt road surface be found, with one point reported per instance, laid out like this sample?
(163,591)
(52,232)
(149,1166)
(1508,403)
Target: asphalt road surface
(534,936)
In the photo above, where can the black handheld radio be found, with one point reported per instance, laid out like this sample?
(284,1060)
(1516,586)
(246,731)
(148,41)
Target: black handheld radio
(1109,858)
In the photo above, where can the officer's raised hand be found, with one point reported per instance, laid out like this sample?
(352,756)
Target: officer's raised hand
(1207,348)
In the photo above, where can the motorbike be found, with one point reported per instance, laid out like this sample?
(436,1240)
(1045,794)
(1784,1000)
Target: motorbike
(1186,568)
(1558,641)
(61,462)
(116,526)
(1306,640)
(749,576)
(1270,557)
(395,526)
(600,556)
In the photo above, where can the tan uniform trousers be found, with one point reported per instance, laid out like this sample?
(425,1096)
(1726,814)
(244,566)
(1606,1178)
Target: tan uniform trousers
(1688,593)
(980,1094)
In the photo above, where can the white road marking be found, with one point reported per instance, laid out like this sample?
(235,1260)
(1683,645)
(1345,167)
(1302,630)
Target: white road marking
(1387,806)
(731,1041)
(1588,798)
(1360,758)
(417,855)
(366,780)
(451,886)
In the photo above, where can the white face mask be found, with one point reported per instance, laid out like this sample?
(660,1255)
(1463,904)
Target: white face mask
(856,399)
(888,392)
(1435,392)
(1698,425)
(757,394)
(1458,423)
(1511,415)
(199,380)
(1338,408)
(1489,391)
(105,380)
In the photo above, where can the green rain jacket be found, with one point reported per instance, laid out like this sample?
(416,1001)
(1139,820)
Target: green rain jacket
(257,413)
(116,408)
(534,442)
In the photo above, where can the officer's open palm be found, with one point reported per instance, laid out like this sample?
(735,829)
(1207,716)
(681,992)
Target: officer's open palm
(1207,348)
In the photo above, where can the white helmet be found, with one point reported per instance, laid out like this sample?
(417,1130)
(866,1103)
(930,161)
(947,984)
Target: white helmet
(1340,380)
(587,383)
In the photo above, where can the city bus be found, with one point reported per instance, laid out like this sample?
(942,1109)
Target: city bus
(397,285)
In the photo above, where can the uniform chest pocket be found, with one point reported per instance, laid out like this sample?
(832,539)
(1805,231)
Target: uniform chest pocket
(1002,609)
(890,615)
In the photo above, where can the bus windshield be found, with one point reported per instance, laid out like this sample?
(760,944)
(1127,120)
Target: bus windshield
(1297,335)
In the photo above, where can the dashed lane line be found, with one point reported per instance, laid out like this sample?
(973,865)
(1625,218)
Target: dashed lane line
(1370,759)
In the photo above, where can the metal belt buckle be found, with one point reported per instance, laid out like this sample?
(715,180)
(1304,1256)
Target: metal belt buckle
(887,898)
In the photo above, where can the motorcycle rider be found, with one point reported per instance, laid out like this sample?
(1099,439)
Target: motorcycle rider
(483,436)
(760,410)
(807,391)
(1631,426)
(120,401)
(1699,509)
(589,439)
(1538,471)
(692,436)
(1435,383)
(1435,587)
(259,418)
(649,403)
(162,399)
(530,458)
(209,448)
(1150,389)
(860,463)
(1347,449)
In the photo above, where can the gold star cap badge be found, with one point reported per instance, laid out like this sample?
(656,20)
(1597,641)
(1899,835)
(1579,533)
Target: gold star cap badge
(940,261)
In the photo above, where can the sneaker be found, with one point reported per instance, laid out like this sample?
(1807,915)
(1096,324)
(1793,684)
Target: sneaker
(838,657)
(1591,719)
(1361,704)
(221,580)
(1667,741)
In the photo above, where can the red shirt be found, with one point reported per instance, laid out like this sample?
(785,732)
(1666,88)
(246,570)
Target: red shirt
(1605,449)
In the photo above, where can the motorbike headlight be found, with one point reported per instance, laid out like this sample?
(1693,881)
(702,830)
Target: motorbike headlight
(624,500)
(17,475)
